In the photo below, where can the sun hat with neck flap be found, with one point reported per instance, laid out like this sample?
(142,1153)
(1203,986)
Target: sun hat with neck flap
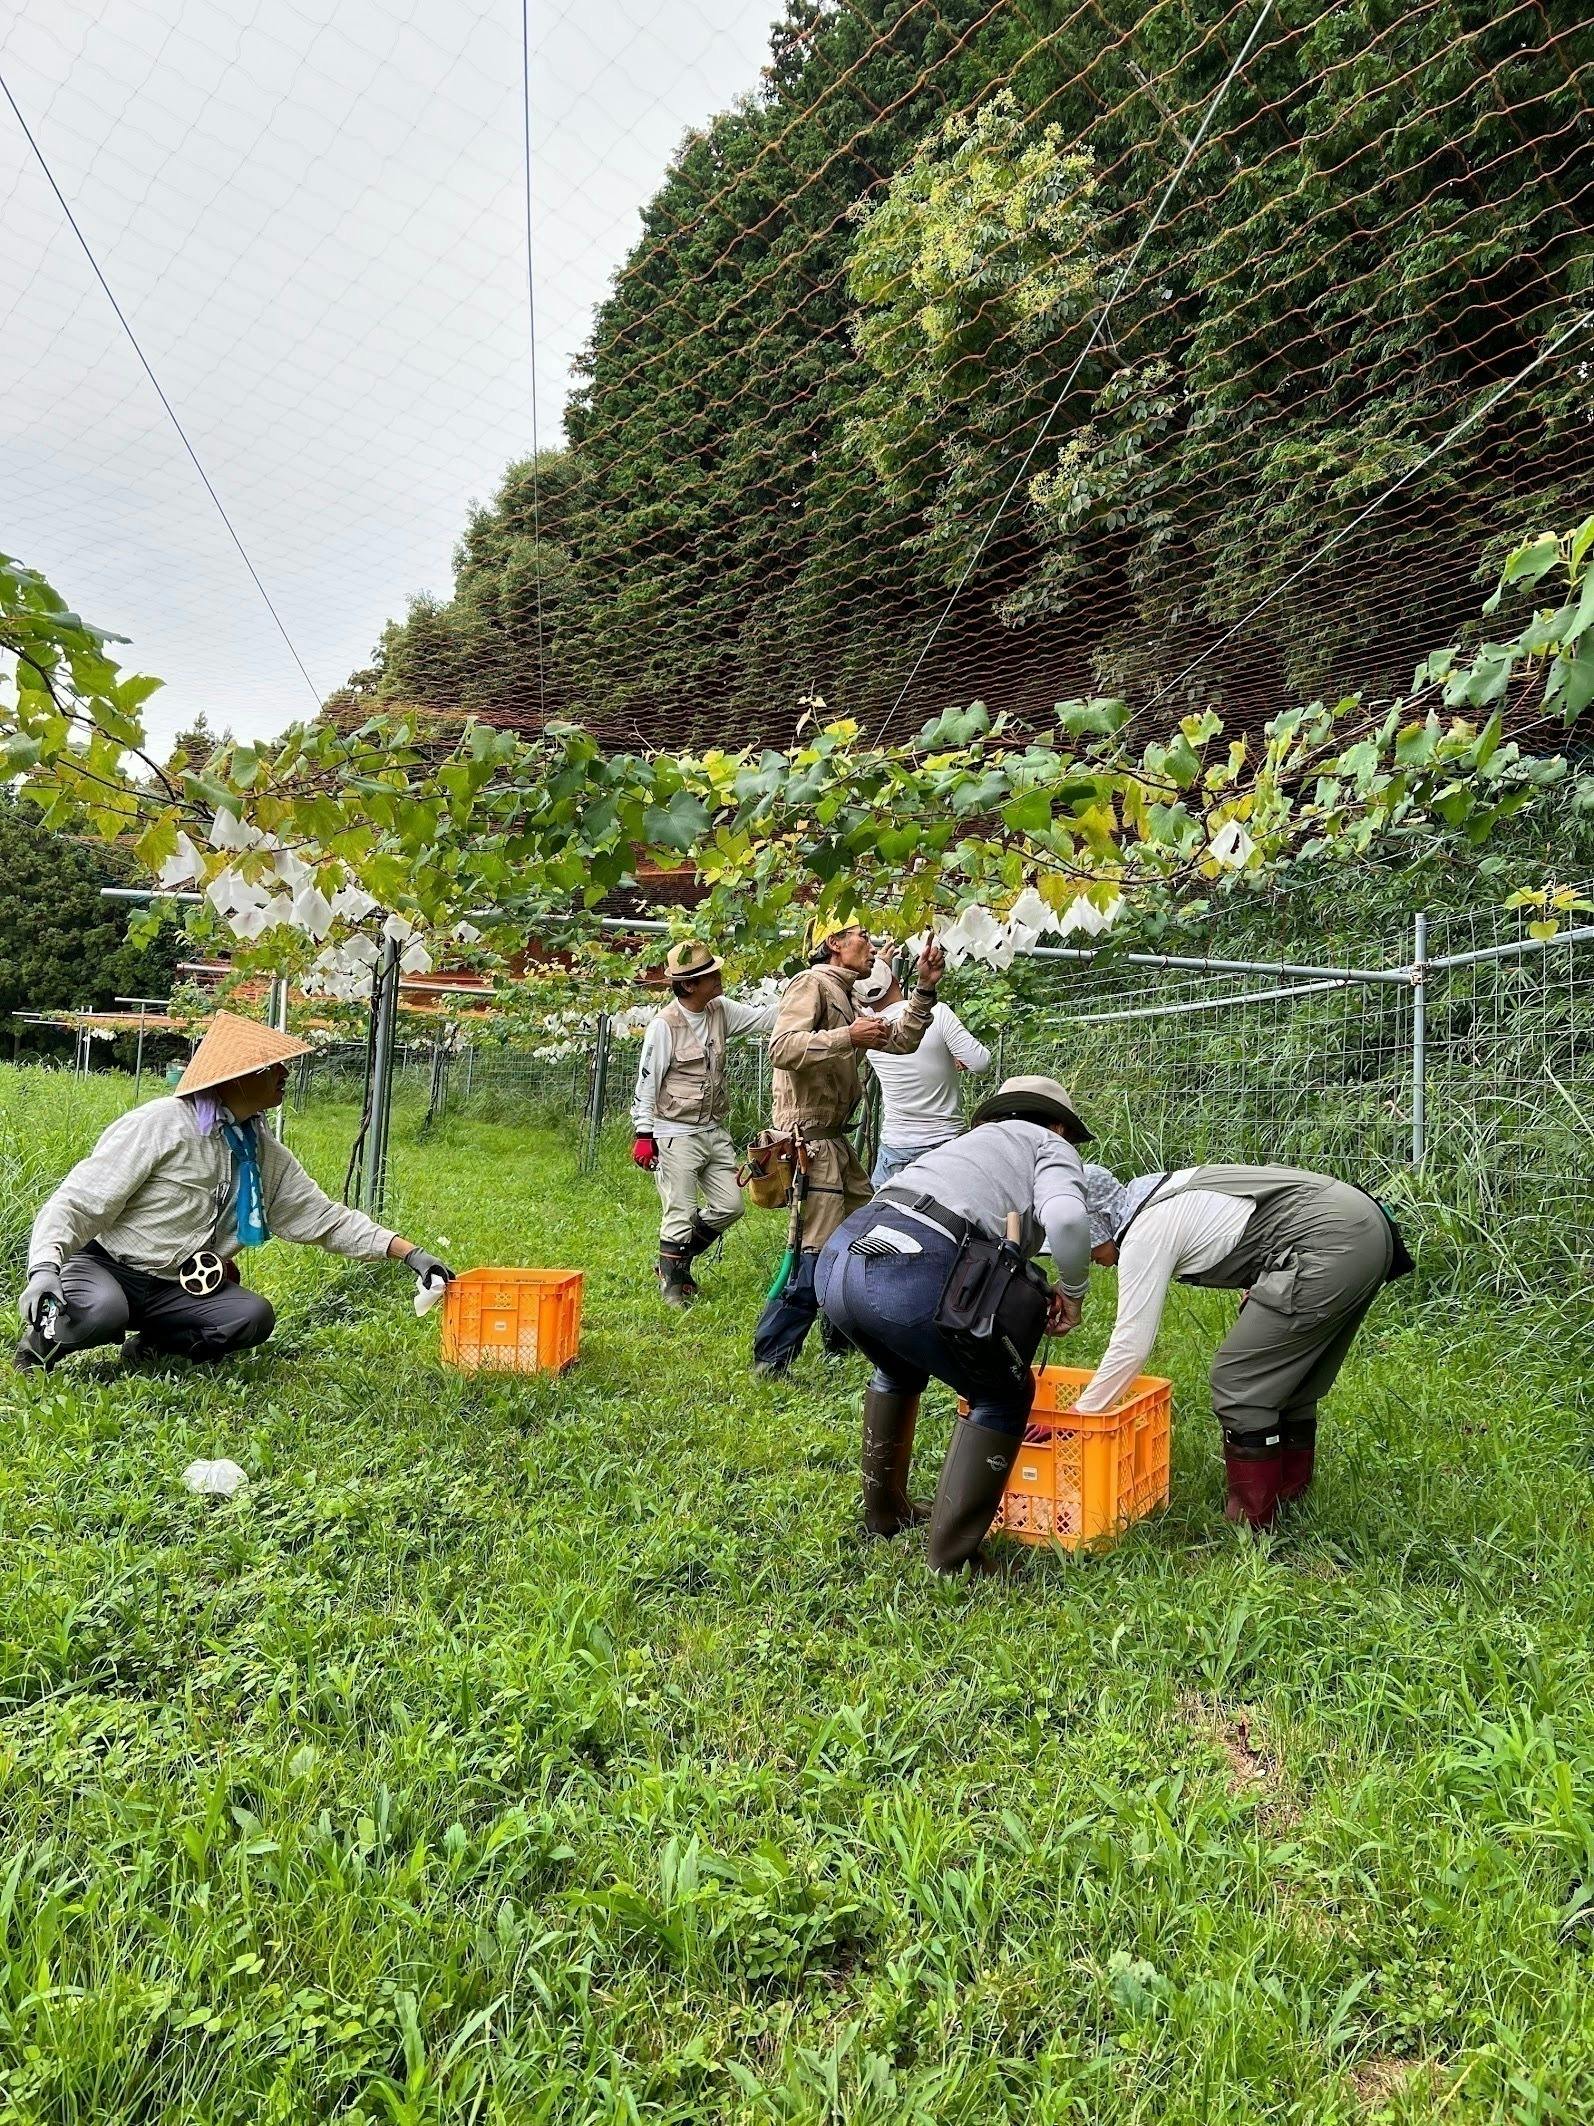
(1032,1100)
(235,1047)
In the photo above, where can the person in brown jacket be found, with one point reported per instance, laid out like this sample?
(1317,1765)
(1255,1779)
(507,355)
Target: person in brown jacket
(818,1037)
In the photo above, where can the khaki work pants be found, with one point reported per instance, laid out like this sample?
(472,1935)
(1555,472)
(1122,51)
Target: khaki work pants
(697,1173)
(1296,1329)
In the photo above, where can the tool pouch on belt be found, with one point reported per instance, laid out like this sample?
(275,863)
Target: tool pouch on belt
(768,1170)
(995,1298)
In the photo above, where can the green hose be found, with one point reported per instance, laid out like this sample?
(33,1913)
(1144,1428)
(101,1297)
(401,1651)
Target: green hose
(788,1262)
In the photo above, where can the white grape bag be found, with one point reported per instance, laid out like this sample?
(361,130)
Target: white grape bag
(215,1480)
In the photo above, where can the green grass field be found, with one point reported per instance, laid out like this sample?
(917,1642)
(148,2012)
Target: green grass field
(560,1751)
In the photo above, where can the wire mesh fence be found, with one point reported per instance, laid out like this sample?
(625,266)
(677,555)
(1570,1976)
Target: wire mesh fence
(1450,1063)
(1447,1059)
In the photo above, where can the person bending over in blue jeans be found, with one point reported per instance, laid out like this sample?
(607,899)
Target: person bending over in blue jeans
(880,1282)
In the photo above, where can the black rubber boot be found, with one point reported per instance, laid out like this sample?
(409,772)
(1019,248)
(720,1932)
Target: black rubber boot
(675,1276)
(978,1464)
(888,1424)
(701,1238)
(27,1357)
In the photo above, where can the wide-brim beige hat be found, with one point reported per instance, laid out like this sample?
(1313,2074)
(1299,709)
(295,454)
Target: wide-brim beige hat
(1032,1100)
(236,1048)
(691,958)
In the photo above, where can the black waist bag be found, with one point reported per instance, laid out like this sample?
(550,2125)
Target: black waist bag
(1400,1260)
(995,1300)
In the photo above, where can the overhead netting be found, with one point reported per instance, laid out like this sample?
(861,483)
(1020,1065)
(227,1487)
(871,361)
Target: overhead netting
(906,396)
(857,302)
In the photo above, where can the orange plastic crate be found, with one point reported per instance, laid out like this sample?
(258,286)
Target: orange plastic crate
(1079,1479)
(512,1321)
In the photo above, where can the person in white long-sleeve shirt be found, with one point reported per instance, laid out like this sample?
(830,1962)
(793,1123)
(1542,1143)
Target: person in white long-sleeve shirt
(682,1107)
(1309,1252)
(920,1105)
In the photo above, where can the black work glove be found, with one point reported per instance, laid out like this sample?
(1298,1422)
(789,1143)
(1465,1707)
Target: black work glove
(427,1266)
(41,1290)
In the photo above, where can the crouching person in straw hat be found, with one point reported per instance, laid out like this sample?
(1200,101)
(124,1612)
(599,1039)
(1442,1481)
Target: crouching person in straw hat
(935,1277)
(1310,1253)
(682,1107)
(141,1234)
(814,1049)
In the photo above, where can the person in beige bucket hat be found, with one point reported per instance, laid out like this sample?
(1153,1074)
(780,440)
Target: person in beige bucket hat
(142,1235)
(682,1108)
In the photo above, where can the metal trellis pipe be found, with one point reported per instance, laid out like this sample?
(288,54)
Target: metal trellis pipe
(1184,1008)
(599,1091)
(277,1019)
(1518,949)
(1278,968)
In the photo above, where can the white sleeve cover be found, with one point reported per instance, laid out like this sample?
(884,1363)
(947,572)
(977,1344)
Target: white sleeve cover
(650,1070)
(972,1054)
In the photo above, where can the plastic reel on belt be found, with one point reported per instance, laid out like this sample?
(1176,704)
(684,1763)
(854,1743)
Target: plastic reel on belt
(202,1274)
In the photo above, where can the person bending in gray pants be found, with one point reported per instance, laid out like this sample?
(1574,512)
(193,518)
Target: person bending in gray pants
(1310,1253)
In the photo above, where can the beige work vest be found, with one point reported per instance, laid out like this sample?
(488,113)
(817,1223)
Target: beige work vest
(693,1088)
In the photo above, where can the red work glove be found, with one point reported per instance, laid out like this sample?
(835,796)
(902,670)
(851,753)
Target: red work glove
(646,1154)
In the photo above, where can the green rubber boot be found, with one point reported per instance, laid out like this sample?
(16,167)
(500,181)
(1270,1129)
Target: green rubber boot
(888,1425)
(978,1464)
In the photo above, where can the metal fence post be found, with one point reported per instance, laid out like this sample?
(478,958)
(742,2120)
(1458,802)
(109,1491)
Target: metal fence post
(1419,1041)
(437,1088)
(381,1083)
(277,1019)
(598,1098)
(138,1061)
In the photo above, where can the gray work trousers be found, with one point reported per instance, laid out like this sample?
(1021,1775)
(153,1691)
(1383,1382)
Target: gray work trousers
(696,1175)
(1296,1329)
(105,1299)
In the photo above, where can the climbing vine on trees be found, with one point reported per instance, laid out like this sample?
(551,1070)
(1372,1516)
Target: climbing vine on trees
(303,846)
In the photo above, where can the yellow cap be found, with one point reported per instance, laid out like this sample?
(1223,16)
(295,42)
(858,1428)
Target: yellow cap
(822,928)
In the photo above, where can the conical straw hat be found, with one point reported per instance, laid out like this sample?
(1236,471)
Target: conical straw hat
(234,1048)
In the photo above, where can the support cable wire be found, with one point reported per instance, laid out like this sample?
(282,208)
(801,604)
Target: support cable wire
(171,412)
(1080,359)
(531,313)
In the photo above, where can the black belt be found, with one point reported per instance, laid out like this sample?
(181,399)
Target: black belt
(953,1223)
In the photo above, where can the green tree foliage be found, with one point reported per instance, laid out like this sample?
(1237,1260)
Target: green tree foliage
(797,411)
(61,945)
(977,263)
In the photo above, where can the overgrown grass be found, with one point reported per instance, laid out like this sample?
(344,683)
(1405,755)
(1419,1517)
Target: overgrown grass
(559,1751)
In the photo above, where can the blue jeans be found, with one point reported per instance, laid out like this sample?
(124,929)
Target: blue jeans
(892,1158)
(784,1324)
(885,1304)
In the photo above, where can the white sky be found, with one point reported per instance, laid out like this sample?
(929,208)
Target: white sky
(312,214)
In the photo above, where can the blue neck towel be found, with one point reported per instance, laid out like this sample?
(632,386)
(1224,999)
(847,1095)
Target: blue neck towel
(253,1230)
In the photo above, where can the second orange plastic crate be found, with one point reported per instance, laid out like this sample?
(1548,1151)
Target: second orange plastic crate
(512,1321)
(1078,1479)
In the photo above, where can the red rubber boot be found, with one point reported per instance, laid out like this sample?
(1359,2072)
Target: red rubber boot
(1297,1456)
(1254,1474)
